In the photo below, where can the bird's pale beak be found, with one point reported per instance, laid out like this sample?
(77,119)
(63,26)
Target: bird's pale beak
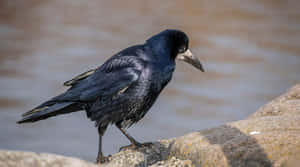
(188,57)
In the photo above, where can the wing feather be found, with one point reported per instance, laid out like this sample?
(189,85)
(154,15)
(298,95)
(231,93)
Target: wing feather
(106,81)
(79,77)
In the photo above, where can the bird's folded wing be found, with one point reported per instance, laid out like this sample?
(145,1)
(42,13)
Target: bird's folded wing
(79,77)
(109,85)
(112,77)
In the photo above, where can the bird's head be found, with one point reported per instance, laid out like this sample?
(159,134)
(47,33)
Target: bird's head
(177,43)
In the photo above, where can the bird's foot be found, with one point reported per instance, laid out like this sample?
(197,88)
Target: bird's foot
(102,160)
(135,146)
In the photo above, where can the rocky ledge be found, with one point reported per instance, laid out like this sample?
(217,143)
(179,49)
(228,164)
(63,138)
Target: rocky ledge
(269,137)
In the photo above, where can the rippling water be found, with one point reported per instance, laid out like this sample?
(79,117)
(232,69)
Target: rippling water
(250,50)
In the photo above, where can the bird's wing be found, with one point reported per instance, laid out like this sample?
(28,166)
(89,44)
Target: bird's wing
(79,77)
(112,77)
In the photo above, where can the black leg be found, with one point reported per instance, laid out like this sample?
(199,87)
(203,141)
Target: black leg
(134,144)
(130,138)
(101,158)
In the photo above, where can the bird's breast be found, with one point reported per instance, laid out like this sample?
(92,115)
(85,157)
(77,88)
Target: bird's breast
(144,93)
(150,83)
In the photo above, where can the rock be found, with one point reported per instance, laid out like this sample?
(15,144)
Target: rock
(288,103)
(29,159)
(269,137)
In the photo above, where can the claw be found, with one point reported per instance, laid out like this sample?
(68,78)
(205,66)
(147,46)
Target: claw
(135,146)
(131,146)
(101,160)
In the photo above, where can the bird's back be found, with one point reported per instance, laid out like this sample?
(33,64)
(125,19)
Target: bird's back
(131,103)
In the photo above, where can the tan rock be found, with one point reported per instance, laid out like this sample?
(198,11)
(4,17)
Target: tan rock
(288,103)
(30,159)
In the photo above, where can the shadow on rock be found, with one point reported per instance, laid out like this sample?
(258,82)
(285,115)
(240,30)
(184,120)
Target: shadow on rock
(239,148)
(142,156)
(154,153)
(221,146)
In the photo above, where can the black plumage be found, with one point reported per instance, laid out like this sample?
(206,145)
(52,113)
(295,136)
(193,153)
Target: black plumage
(123,89)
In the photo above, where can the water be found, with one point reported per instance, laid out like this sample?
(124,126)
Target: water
(250,50)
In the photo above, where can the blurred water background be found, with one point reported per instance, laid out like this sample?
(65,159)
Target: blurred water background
(250,50)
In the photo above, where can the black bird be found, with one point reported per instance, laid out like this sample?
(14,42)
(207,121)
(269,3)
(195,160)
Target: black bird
(122,90)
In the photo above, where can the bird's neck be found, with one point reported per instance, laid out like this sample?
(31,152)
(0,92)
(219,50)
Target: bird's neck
(161,49)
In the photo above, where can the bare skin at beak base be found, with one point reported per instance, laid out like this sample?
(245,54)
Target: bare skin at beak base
(188,57)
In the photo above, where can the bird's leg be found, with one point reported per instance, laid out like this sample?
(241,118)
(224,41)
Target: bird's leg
(134,143)
(130,138)
(101,158)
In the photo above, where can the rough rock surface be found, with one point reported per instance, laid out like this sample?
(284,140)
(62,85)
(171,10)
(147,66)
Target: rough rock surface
(29,159)
(269,137)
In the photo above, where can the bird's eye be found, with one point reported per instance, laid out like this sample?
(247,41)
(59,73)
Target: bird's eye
(182,49)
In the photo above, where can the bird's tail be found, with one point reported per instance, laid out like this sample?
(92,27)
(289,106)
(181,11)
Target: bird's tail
(49,109)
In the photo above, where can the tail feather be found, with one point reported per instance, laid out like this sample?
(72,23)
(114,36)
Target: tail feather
(41,107)
(48,110)
(34,111)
